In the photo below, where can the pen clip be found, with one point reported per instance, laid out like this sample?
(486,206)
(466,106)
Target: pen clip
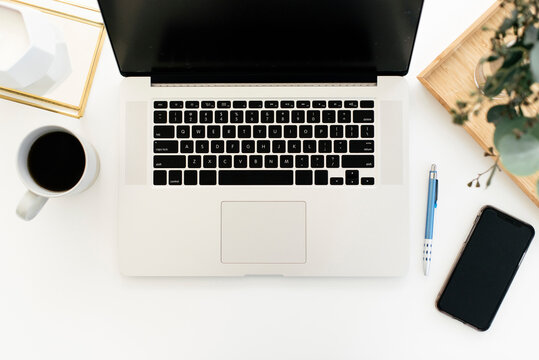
(436,195)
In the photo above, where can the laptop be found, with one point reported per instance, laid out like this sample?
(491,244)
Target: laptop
(263,137)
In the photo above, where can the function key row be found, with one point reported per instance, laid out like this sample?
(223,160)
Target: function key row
(270,104)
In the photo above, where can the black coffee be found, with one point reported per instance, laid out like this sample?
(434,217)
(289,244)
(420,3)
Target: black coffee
(56,161)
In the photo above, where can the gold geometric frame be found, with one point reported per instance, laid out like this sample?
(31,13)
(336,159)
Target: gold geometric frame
(76,111)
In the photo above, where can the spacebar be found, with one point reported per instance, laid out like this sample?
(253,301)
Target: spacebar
(256,177)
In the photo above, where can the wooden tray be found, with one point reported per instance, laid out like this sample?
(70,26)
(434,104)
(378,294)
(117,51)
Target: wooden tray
(450,77)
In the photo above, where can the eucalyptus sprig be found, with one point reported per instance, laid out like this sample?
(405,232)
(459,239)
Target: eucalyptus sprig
(514,45)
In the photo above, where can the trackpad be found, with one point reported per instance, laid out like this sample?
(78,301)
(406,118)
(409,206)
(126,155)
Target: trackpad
(269,232)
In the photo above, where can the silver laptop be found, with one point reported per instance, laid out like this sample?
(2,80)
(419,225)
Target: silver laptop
(263,138)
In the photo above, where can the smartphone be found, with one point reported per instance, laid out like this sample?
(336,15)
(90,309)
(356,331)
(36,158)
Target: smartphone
(488,262)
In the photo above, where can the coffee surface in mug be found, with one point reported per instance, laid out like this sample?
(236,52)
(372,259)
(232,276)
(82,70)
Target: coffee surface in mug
(56,161)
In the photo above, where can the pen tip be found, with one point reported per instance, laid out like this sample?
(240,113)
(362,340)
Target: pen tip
(433,167)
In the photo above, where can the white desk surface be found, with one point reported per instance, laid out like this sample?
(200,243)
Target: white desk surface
(62,296)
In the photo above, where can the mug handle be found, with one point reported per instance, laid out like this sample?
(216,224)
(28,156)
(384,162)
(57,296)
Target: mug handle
(30,205)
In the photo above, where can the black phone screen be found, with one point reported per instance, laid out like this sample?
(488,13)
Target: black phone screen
(485,269)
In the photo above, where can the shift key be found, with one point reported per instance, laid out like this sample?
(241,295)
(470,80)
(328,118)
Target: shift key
(357,161)
(165,146)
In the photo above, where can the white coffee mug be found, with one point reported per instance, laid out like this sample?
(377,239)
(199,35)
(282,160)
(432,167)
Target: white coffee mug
(37,196)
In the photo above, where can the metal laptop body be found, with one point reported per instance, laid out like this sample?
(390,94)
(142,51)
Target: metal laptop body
(291,230)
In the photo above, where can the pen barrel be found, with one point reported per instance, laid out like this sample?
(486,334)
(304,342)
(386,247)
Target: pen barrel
(431,201)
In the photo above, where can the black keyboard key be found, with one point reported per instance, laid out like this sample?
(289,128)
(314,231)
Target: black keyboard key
(198,132)
(306,131)
(190,177)
(267,116)
(166,132)
(287,104)
(247,146)
(206,117)
(363,116)
(351,104)
(294,146)
(339,146)
(283,116)
(336,131)
(319,104)
(357,161)
(236,116)
(175,117)
(160,177)
(321,177)
(186,146)
(240,161)
(332,161)
(367,181)
(302,161)
(328,116)
(304,177)
(324,146)
(317,161)
(352,177)
(290,131)
(160,117)
(251,116)
(208,104)
(183,132)
(239,104)
(214,132)
(221,117)
(361,146)
(271,161)
(175,177)
(271,104)
(229,132)
(309,146)
(336,181)
(368,104)
(169,162)
(313,116)
(192,104)
(259,131)
(190,117)
(160,104)
(367,131)
(256,177)
(255,104)
(217,146)
(335,104)
(208,177)
(278,146)
(303,104)
(209,161)
(165,146)
(232,146)
(194,161)
(275,131)
(352,131)
(286,161)
(344,116)
(255,161)
(321,131)
(176,104)
(244,131)
(263,146)
(223,104)
(202,146)
(298,116)
(225,161)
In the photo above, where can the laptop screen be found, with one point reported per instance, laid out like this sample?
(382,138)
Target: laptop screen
(211,41)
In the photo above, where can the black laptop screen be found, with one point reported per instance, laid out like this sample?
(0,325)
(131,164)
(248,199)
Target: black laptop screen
(262,40)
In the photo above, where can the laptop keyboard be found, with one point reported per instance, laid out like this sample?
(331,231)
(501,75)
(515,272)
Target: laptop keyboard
(287,142)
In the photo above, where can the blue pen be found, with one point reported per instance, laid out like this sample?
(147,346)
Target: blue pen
(431,205)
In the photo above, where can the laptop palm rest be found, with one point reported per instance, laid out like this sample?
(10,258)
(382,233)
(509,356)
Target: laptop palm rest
(263,232)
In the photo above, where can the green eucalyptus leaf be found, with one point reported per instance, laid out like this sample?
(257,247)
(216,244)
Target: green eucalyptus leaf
(506,127)
(519,156)
(499,113)
(514,55)
(534,62)
(530,35)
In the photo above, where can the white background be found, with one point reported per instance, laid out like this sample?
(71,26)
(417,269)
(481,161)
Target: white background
(62,296)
